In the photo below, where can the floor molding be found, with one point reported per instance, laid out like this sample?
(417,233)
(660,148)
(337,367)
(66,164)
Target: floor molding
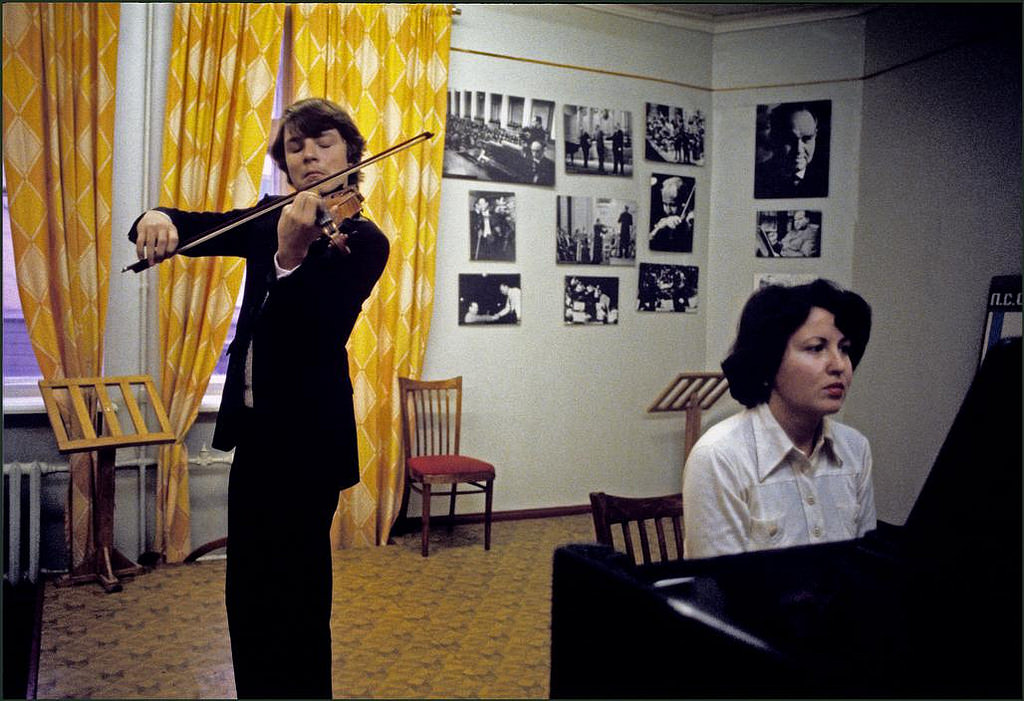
(413,523)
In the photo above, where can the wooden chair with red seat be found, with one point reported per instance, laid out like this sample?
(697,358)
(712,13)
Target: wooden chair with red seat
(431,412)
(635,517)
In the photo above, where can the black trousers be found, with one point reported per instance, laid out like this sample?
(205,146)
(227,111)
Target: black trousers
(278,588)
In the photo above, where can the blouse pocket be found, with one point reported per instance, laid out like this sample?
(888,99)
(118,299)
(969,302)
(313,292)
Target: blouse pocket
(846,515)
(766,532)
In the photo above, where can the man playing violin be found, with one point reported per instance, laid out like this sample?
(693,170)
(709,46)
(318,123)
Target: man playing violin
(287,405)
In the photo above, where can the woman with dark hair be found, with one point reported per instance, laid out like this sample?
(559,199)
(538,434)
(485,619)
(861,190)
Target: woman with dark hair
(782,472)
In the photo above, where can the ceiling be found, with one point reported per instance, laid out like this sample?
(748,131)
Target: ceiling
(730,17)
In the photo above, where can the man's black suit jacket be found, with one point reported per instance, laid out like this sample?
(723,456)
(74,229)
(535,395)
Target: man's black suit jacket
(298,327)
(773,180)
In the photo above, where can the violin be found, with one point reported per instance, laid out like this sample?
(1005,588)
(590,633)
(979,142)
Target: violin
(335,208)
(338,205)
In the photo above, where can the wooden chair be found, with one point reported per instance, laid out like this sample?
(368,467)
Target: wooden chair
(634,517)
(431,425)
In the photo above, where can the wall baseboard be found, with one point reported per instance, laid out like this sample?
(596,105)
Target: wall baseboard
(413,523)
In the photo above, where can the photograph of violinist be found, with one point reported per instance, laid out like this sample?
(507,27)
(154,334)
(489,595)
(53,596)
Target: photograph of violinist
(287,402)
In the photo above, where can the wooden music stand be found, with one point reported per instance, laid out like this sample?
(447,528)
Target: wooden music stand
(694,393)
(104,436)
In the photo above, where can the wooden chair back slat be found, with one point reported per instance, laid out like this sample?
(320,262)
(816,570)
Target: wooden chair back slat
(432,414)
(659,527)
(640,514)
(645,545)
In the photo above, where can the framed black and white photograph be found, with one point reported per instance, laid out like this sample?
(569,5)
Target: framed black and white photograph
(492,225)
(490,299)
(667,288)
(500,138)
(762,280)
(591,300)
(672,217)
(674,135)
(789,234)
(792,149)
(598,141)
(595,231)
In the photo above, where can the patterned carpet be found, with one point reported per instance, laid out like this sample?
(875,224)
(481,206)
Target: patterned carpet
(463,623)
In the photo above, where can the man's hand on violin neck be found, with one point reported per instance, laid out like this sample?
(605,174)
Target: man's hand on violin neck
(157,237)
(297,228)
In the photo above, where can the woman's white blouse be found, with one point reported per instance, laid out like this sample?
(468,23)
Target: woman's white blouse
(747,487)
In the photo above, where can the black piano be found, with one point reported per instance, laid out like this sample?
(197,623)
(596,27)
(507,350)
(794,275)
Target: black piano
(930,609)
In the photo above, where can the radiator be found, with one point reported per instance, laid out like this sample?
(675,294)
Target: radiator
(17,505)
(24,511)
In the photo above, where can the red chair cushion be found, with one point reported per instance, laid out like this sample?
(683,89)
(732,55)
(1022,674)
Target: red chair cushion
(448,465)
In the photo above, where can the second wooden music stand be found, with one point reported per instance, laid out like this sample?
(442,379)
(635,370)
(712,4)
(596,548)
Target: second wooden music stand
(694,393)
(104,435)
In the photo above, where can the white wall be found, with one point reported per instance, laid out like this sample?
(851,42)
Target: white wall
(940,215)
(761,67)
(561,410)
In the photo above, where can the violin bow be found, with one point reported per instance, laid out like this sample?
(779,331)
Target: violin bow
(333,181)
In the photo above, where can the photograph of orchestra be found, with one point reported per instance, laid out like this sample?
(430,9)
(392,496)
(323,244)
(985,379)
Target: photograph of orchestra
(595,231)
(490,299)
(598,141)
(672,218)
(674,135)
(789,234)
(501,138)
(591,300)
(667,288)
(792,149)
(492,225)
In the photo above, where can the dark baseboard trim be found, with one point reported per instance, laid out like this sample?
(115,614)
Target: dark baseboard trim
(413,523)
(549,512)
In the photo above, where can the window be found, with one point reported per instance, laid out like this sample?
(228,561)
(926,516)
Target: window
(270,183)
(21,371)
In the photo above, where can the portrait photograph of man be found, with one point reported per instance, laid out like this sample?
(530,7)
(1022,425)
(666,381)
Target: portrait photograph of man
(492,225)
(792,149)
(672,217)
(789,234)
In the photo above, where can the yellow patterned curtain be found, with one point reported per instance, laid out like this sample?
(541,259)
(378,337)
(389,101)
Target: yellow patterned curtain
(59,72)
(388,65)
(220,96)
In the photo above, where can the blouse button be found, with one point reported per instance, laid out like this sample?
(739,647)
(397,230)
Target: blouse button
(810,499)
(817,531)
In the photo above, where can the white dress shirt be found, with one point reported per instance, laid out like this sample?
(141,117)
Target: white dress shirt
(247,389)
(747,487)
